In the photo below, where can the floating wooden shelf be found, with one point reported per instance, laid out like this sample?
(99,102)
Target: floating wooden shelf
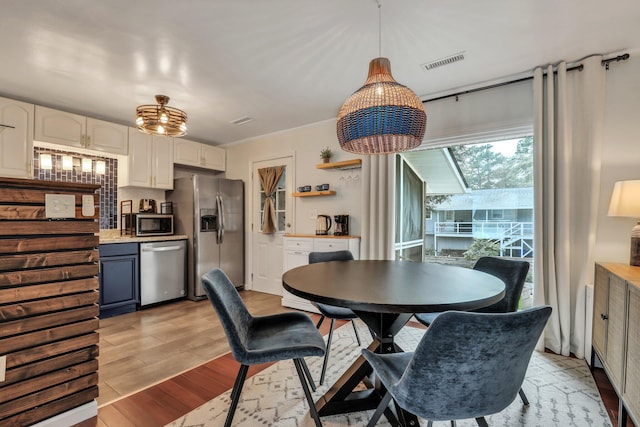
(315,193)
(346,164)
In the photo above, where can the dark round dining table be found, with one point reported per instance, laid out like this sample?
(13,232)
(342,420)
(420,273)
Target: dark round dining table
(385,294)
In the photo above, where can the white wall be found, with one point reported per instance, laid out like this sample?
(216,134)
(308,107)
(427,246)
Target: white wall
(620,156)
(305,143)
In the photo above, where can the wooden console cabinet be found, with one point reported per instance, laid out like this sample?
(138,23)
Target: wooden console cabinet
(616,333)
(48,301)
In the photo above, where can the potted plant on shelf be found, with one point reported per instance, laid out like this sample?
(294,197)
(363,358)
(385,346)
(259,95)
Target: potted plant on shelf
(325,154)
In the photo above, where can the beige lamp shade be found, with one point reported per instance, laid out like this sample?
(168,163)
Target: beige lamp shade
(625,199)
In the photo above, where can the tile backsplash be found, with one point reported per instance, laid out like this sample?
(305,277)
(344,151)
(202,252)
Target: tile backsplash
(108,181)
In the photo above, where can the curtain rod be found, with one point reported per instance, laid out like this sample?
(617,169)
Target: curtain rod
(604,62)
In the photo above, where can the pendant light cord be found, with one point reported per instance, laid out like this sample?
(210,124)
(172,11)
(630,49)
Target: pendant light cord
(379,28)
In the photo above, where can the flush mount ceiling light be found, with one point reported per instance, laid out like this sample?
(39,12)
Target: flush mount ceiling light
(161,119)
(382,116)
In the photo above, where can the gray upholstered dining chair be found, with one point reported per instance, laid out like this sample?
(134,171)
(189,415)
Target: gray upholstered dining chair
(263,339)
(467,365)
(513,273)
(330,311)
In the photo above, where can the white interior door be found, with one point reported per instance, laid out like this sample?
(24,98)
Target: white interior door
(266,266)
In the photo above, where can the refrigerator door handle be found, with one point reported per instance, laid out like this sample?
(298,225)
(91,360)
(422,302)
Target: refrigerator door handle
(221,216)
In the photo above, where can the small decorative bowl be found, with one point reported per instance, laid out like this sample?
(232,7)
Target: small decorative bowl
(325,186)
(307,188)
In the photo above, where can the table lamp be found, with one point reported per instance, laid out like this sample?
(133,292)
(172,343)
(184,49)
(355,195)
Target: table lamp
(625,202)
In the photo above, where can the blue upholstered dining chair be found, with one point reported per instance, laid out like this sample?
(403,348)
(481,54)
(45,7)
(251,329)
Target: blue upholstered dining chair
(255,340)
(513,274)
(330,311)
(467,365)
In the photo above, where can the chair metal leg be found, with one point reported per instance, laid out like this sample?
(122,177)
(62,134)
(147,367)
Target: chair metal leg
(320,321)
(525,401)
(482,422)
(312,406)
(355,330)
(453,423)
(429,423)
(307,373)
(235,393)
(384,403)
(326,354)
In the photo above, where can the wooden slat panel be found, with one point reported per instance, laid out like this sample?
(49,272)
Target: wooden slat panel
(20,342)
(48,301)
(48,410)
(47,259)
(22,309)
(12,246)
(30,228)
(43,366)
(33,196)
(48,395)
(27,277)
(47,380)
(31,292)
(20,183)
(30,324)
(20,212)
(30,355)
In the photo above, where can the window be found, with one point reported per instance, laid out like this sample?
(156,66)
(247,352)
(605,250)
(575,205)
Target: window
(449,216)
(497,214)
(279,202)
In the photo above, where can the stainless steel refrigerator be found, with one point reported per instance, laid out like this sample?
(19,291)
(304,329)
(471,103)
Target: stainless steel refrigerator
(211,212)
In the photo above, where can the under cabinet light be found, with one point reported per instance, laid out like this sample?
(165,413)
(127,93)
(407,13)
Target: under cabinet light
(67,163)
(100,167)
(87,165)
(45,162)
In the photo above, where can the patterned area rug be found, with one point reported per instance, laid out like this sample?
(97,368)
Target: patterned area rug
(561,391)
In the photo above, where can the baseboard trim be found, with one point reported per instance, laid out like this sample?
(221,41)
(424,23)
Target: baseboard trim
(72,416)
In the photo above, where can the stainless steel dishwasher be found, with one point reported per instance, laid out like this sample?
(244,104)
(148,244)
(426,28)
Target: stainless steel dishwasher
(162,271)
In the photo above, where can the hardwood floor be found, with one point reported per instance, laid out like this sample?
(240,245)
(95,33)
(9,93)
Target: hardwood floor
(168,351)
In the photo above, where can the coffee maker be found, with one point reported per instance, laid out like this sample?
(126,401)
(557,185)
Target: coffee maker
(341,225)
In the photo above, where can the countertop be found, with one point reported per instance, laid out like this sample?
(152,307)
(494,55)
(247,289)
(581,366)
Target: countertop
(324,236)
(113,236)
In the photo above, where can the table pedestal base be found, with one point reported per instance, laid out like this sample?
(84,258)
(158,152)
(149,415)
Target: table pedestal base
(343,397)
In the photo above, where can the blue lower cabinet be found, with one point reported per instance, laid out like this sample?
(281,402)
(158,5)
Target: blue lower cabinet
(119,276)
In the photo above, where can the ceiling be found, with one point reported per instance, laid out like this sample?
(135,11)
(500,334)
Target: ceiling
(284,63)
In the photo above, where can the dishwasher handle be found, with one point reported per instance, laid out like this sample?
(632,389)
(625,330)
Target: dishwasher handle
(162,249)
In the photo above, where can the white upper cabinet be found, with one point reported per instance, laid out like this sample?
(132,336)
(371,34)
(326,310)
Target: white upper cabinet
(191,153)
(59,127)
(149,163)
(73,130)
(213,157)
(163,162)
(108,137)
(16,140)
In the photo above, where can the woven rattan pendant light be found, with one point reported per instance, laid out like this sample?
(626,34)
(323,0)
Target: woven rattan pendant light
(382,116)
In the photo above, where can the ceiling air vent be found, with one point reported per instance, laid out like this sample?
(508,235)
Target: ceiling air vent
(241,120)
(443,61)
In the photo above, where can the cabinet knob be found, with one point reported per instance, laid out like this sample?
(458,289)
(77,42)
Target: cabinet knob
(603,316)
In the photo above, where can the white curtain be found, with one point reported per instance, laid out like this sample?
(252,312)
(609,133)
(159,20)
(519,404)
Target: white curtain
(568,131)
(378,211)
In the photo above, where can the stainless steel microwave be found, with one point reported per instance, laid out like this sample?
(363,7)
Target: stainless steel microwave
(154,224)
